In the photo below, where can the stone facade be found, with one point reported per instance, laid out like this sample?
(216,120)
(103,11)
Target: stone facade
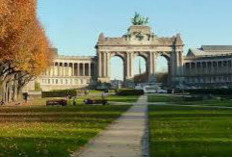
(68,72)
(140,41)
(208,67)
(201,68)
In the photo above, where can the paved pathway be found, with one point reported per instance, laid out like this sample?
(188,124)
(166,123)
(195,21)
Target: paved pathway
(124,138)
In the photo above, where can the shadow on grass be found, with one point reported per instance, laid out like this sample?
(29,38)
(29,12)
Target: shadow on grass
(37,147)
(52,131)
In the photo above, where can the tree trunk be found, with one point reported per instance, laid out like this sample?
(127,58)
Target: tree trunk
(15,93)
(20,93)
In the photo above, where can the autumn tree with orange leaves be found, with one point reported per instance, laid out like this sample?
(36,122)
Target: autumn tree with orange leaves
(24,47)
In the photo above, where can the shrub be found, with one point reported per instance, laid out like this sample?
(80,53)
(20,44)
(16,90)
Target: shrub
(211,91)
(127,92)
(60,93)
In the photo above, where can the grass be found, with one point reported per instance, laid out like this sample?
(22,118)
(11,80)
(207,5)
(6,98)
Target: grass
(163,98)
(80,100)
(180,131)
(172,99)
(129,99)
(37,131)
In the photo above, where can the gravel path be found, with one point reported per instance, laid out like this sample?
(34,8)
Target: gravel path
(127,137)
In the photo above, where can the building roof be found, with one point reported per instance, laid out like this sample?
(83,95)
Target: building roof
(210,50)
(216,47)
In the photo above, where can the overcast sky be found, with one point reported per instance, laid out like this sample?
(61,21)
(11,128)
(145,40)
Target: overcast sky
(73,26)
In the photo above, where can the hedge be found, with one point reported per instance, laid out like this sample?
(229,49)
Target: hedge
(211,91)
(127,92)
(59,93)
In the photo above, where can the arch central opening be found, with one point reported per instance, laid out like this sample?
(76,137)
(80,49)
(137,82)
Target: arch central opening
(162,71)
(117,73)
(140,70)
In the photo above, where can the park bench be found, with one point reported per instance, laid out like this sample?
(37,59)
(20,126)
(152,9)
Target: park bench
(94,101)
(61,102)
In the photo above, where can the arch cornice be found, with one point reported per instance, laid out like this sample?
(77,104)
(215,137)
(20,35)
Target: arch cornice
(122,55)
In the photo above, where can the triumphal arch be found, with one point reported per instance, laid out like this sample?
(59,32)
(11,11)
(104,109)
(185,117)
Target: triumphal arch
(140,40)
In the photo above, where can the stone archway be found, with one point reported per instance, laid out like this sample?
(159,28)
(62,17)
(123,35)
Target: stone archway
(167,57)
(122,57)
(140,40)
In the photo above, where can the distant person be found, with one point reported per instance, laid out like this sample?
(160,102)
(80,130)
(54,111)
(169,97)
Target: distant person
(25,97)
(74,101)
(104,95)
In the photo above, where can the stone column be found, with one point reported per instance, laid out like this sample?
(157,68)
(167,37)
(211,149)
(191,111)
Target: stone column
(228,67)
(173,65)
(57,69)
(89,69)
(104,65)
(131,65)
(128,66)
(51,67)
(100,64)
(202,71)
(78,69)
(151,66)
(73,69)
(216,70)
(109,65)
(69,69)
(54,68)
(206,67)
(212,69)
(154,62)
(83,71)
(60,69)
(196,68)
(63,70)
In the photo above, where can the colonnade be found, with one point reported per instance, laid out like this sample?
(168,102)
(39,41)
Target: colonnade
(70,69)
(213,67)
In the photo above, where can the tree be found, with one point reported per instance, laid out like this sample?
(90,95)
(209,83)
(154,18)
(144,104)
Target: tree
(141,78)
(24,47)
(162,78)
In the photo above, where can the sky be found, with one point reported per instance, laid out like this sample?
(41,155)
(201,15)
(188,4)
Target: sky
(73,26)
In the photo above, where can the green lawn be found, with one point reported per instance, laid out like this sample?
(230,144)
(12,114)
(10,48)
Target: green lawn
(178,131)
(172,99)
(163,98)
(116,98)
(52,131)
(113,98)
(80,100)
